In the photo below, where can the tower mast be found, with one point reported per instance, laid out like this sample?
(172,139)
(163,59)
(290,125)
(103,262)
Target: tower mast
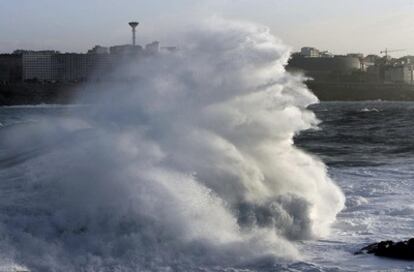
(133,25)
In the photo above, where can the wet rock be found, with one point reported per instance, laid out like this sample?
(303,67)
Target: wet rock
(403,250)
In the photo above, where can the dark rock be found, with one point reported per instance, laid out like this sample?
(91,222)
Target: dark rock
(403,250)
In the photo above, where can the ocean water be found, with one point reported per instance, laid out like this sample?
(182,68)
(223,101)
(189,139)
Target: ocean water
(211,158)
(369,152)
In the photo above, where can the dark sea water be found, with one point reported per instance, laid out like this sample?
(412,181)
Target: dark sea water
(361,134)
(368,148)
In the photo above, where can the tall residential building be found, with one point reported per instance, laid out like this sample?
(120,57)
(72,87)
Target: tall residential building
(72,67)
(80,67)
(40,65)
(54,66)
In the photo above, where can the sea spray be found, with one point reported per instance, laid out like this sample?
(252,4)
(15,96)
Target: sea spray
(185,160)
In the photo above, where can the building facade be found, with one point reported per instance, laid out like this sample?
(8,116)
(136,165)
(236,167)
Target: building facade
(81,67)
(52,66)
(315,66)
(125,49)
(40,65)
(11,68)
(309,52)
(71,67)
(402,73)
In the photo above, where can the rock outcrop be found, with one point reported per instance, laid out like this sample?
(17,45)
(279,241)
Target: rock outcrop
(403,250)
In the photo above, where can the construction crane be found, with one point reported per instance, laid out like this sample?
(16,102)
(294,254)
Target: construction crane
(386,51)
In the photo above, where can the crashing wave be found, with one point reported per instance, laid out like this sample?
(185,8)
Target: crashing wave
(187,161)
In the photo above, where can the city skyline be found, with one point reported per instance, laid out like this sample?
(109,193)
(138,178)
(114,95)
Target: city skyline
(68,26)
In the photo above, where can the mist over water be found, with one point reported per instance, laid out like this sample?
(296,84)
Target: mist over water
(185,161)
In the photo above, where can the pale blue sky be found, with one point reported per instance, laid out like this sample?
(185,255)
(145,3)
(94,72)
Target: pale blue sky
(336,25)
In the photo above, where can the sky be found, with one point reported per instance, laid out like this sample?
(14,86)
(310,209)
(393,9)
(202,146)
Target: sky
(339,26)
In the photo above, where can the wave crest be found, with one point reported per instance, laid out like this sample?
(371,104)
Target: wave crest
(186,159)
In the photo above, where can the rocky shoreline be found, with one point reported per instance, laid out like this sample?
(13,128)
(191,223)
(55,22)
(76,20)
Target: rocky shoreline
(403,250)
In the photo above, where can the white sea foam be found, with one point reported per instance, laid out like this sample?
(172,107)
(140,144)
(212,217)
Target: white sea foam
(187,161)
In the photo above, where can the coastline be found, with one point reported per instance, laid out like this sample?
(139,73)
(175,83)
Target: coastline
(38,93)
(14,94)
(355,91)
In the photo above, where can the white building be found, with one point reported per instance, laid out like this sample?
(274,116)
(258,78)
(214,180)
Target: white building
(53,66)
(309,52)
(402,73)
